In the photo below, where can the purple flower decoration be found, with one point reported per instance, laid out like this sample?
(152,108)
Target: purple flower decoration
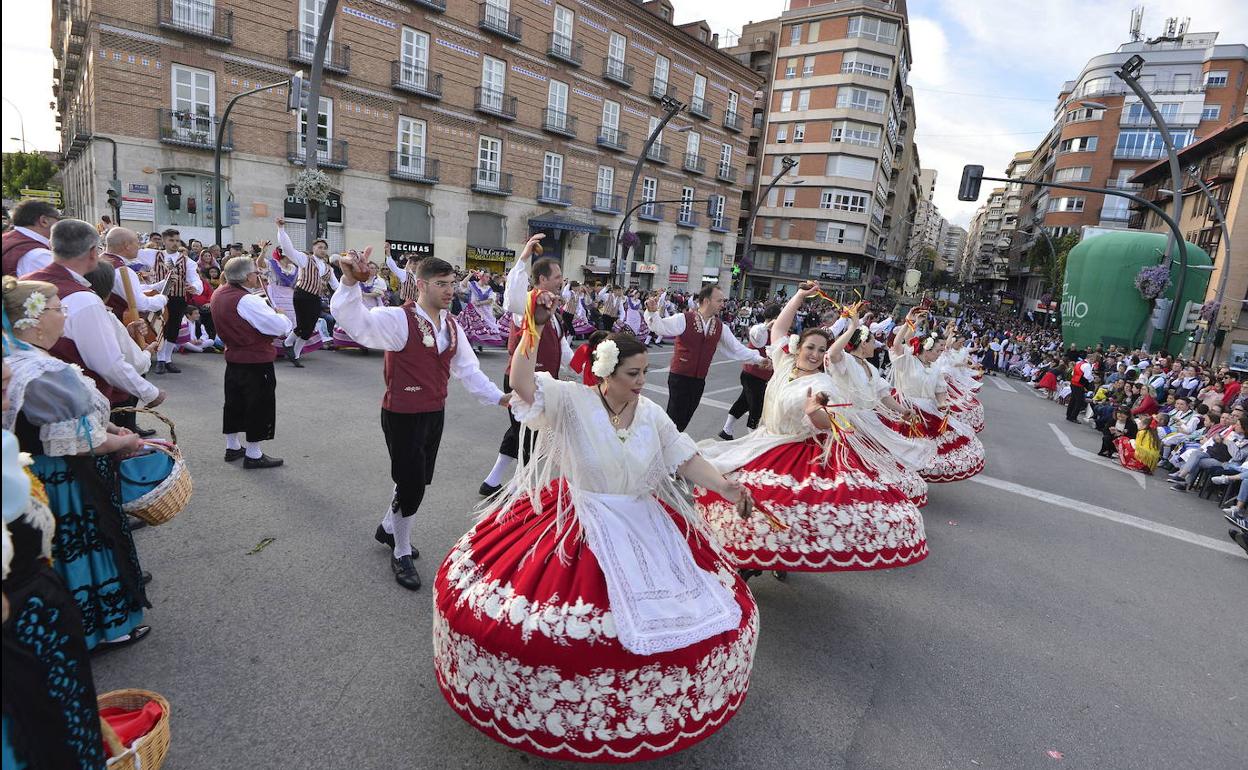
(629,239)
(1153,281)
(1209,310)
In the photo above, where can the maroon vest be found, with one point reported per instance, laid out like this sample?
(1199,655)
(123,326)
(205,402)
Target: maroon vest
(116,302)
(416,376)
(694,350)
(65,348)
(15,247)
(549,347)
(244,344)
(761,372)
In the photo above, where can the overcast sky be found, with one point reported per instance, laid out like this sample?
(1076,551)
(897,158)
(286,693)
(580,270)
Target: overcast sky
(986,73)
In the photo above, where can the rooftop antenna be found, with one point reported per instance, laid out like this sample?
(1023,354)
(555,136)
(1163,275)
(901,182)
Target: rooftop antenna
(1137,20)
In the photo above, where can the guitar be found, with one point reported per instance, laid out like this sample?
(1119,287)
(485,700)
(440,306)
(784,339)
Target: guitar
(143,330)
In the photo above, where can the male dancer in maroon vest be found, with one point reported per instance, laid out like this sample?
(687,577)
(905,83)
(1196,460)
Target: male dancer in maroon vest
(754,378)
(553,350)
(248,326)
(26,245)
(424,347)
(121,248)
(699,333)
(88,338)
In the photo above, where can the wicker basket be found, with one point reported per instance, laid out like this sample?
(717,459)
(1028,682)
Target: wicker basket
(148,752)
(167,500)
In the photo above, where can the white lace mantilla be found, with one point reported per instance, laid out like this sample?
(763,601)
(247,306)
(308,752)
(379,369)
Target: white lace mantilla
(65,437)
(539,708)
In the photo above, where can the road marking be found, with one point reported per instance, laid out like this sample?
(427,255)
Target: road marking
(1094,458)
(1114,516)
(1003,385)
(721,390)
(704,402)
(713,363)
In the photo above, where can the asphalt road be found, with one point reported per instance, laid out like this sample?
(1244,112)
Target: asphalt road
(1094,629)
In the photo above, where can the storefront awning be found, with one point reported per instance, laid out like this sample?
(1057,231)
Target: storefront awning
(554,221)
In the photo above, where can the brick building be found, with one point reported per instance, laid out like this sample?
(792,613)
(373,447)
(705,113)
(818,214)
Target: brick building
(458,124)
(836,99)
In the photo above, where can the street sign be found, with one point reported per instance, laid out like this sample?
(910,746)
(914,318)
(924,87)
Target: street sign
(52,196)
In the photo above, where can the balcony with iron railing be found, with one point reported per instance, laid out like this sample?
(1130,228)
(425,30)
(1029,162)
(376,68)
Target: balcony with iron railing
(687,217)
(331,153)
(554,193)
(1117,184)
(732,122)
(411,167)
(490,181)
(1139,153)
(415,79)
(617,71)
(196,17)
(565,49)
(500,21)
(726,173)
(1176,120)
(660,88)
(701,107)
(658,153)
(718,224)
(192,130)
(431,5)
(559,122)
(301,46)
(651,212)
(494,102)
(612,138)
(694,163)
(606,203)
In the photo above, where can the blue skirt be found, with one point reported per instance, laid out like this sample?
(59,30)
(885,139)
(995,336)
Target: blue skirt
(93,550)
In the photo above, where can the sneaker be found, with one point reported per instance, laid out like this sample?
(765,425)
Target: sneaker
(1179,487)
(1220,480)
(1231,510)
(1175,476)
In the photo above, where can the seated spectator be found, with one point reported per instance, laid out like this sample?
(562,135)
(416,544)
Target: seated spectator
(1121,426)
(1222,449)
(1145,404)
(201,340)
(1142,452)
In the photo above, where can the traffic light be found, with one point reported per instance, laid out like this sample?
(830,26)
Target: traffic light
(231,214)
(114,195)
(299,93)
(1161,312)
(1191,316)
(968,188)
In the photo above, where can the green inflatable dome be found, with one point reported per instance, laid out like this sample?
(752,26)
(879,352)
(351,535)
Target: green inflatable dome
(1100,304)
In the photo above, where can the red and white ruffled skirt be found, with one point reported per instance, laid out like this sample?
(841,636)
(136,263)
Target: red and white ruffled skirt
(841,515)
(966,407)
(959,453)
(525,648)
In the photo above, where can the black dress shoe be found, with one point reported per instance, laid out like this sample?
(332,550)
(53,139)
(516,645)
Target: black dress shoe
(296,363)
(489,490)
(234,454)
(160,368)
(263,461)
(405,572)
(144,432)
(387,539)
(135,635)
(726,436)
(135,523)
(172,369)
(146,577)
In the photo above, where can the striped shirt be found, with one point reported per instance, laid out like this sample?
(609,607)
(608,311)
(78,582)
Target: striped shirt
(173,267)
(313,277)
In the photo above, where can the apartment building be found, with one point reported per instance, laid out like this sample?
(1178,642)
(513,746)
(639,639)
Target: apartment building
(929,225)
(952,243)
(836,100)
(1102,134)
(449,126)
(1221,164)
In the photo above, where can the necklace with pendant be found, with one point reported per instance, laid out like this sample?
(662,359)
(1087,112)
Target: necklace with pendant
(793,375)
(616,417)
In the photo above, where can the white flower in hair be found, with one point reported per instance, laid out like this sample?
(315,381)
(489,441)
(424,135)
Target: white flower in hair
(606,358)
(32,308)
(793,344)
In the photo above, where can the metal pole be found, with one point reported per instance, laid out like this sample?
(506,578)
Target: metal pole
(116,208)
(216,154)
(1225,269)
(21,121)
(1128,74)
(672,108)
(787,163)
(313,113)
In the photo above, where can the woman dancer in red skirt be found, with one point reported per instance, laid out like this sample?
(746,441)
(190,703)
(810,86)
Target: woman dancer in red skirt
(589,616)
(920,385)
(829,494)
(960,380)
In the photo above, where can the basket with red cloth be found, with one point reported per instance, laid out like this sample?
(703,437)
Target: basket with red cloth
(135,725)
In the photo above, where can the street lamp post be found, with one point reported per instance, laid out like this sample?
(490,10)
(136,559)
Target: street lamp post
(787,163)
(628,213)
(21,121)
(1225,268)
(671,107)
(217,204)
(312,113)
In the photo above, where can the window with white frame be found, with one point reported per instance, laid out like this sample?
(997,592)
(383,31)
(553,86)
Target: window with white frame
(812,32)
(725,159)
(552,176)
(1074,203)
(869,64)
(493,82)
(411,145)
(1215,78)
(557,105)
(786,101)
(611,120)
(1211,112)
(1084,113)
(841,233)
(699,88)
(790,197)
(662,69)
(324,128)
(686,204)
(1073,174)
(852,132)
(799,133)
(808,66)
(782,133)
(795,34)
(606,186)
(861,99)
(773,197)
(873,28)
(561,40)
(769,228)
(734,99)
(414,58)
(658,140)
(790,69)
(649,192)
(717,212)
(489,161)
(693,145)
(310,13)
(194,101)
(844,200)
(850,166)
(803,99)
(617,50)
(1078,144)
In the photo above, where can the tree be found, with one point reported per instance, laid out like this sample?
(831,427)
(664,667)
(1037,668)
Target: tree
(26,170)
